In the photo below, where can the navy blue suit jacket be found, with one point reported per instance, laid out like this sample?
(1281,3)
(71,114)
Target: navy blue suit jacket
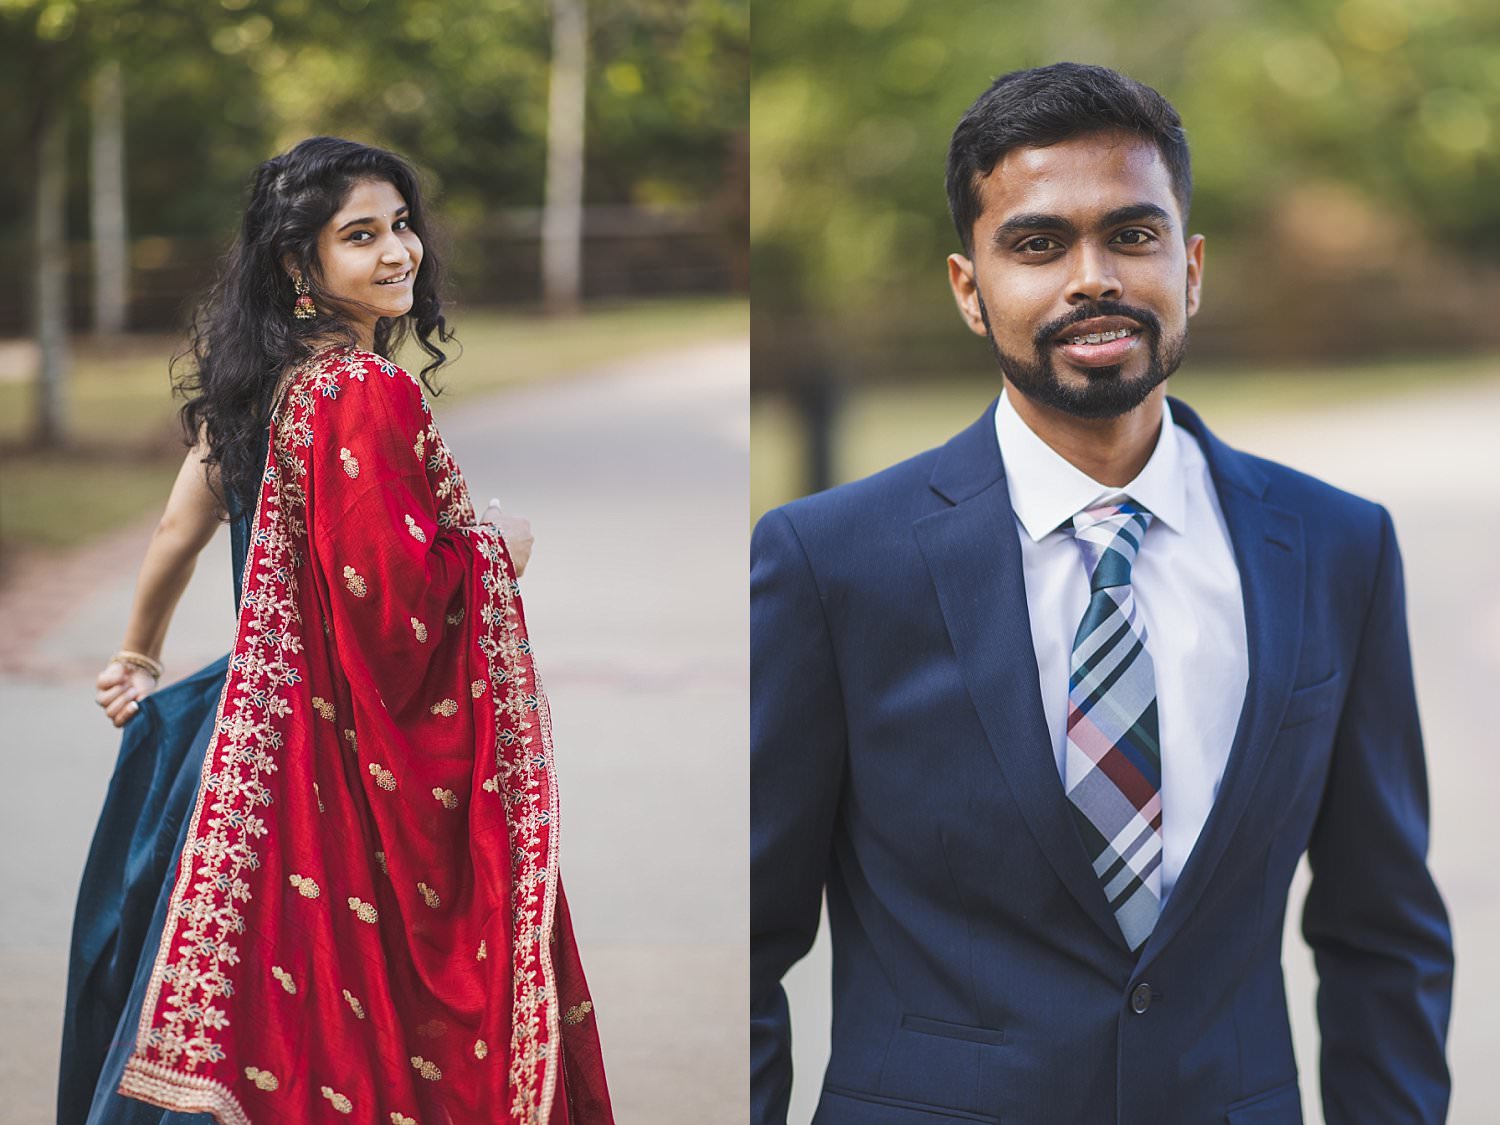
(901,763)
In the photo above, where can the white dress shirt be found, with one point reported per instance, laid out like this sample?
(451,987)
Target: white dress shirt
(1187,589)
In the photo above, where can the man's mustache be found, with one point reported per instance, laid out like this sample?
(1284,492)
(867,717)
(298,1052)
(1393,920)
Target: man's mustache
(1148,321)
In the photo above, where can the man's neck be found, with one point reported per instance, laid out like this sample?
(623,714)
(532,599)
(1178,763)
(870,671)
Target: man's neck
(1112,451)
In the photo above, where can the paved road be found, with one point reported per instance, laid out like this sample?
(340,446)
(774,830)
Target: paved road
(1430,460)
(636,482)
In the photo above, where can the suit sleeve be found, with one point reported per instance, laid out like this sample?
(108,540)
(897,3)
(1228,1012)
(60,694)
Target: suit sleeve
(1373,917)
(797,739)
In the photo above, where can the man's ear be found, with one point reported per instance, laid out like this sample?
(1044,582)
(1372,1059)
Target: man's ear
(966,293)
(1194,273)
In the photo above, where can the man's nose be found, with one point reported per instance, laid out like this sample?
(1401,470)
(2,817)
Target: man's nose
(1093,277)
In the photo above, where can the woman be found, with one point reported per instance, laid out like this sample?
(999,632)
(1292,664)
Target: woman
(325,878)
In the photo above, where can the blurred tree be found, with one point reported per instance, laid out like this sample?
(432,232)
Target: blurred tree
(107,195)
(562,217)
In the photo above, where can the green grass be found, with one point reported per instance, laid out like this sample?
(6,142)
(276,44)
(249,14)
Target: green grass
(878,426)
(125,449)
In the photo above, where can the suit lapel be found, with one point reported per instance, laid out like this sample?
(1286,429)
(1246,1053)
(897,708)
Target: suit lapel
(974,556)
(1268,550)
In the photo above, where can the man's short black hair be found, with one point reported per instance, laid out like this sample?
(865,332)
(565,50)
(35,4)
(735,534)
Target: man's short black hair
(1040,107)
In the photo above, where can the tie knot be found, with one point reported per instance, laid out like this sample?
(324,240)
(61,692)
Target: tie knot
(1109,535)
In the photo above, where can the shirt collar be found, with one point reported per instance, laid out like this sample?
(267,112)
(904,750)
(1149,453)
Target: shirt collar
(1046,490)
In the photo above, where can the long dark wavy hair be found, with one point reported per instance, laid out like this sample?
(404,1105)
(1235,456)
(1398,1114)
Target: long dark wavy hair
(243,335)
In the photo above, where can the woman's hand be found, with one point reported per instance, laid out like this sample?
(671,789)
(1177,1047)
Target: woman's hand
(515,530)
(120,689)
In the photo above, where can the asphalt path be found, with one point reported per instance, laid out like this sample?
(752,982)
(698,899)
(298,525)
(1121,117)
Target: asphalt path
(1428,456)
(635,478)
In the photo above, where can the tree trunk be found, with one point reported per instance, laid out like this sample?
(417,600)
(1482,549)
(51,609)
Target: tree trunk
(562,216)
(51,303)
(107,187)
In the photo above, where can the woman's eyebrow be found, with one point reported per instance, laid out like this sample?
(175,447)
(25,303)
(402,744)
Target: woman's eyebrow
(369,219)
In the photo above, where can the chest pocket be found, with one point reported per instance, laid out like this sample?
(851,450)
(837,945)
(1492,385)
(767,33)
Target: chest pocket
(1309,702)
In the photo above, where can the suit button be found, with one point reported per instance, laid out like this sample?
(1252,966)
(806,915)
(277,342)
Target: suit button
(1140,999)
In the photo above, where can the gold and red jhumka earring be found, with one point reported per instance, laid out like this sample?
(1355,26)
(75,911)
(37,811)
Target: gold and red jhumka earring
(304,309)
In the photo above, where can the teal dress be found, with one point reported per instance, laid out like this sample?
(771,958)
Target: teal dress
(127,884)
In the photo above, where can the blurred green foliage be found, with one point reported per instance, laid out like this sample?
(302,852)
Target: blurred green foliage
(213,87)
(1331,139)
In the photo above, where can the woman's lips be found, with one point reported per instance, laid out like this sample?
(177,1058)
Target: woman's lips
(1100,355)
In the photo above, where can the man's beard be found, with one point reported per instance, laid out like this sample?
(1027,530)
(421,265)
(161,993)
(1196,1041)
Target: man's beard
(1106,394)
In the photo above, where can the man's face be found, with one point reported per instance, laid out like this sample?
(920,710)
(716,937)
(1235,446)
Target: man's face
(1075,241)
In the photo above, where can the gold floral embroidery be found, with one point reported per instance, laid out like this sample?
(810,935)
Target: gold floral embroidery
(340,1103)
(398,1118)
(351,462)
(383,777)
(578,1011)
(446,796)
(354,1004)
(263,1079)
(417,445)
(323,707)
(429,896)
(476,689)
(380,859)
(363,910)
(352,741)
(285,978)
(420,630)
(428,1070)
(305,886)
(483,951)
(415,530)
(481,1048)
(319,796)
(355,583)
(447,708)
(491,785)
(455,618)
(432,1029)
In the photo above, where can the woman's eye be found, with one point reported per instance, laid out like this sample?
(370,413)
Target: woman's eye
(1038,245)
(402,224)
(359,236)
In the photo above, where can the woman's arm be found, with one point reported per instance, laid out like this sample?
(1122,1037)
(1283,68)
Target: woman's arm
(186,526)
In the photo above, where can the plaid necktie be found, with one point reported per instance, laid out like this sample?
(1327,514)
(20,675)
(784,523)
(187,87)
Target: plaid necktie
(1112,771)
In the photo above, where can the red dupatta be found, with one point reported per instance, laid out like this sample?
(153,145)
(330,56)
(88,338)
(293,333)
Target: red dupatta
(367,918)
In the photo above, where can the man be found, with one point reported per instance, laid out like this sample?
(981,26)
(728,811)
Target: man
(1051,712)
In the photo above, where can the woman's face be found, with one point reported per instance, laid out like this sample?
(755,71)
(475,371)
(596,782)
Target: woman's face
(370,255)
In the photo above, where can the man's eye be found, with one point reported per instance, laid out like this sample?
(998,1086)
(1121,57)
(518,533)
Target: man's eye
(1135,237)
(1038,245)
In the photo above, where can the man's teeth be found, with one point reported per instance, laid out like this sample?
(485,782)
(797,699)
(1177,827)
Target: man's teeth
(1101,337)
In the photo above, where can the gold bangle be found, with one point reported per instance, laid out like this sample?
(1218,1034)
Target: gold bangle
(138,660)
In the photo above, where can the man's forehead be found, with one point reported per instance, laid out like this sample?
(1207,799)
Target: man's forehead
(1077,178)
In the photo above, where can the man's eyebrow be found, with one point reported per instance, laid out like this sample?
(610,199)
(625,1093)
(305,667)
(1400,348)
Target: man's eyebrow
(1030,222)
(368,219)
(1138,212)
